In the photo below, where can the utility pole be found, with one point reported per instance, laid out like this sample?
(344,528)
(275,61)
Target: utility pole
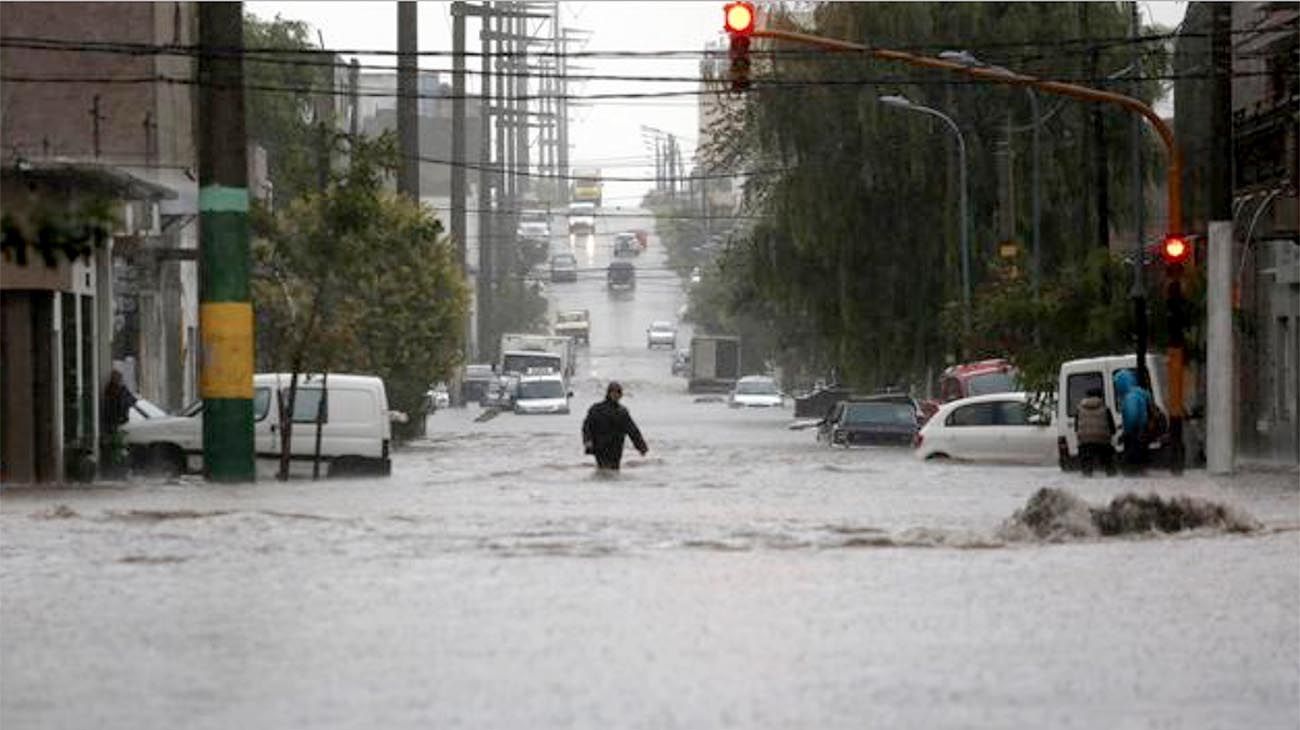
(408,112)
(486,223)
(225,308)
(459,182)
(1138,292)
(1221,416)
(521,106)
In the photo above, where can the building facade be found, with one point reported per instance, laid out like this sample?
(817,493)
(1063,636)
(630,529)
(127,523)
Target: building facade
(101,120)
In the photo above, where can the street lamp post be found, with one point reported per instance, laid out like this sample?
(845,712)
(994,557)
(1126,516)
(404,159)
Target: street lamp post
(903,102)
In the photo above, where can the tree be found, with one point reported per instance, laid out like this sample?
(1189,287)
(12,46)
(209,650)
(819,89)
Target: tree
(358,278)
(858,227)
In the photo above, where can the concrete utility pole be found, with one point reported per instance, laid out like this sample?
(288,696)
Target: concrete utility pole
(1138,292)
(486,223)
(459,183)
(225,309)
(1221,417)
(408,109)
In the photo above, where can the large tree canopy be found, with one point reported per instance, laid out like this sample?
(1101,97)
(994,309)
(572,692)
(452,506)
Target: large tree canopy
(855,237)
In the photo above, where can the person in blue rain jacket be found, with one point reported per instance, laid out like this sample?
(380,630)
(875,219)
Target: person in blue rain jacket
(1134,403)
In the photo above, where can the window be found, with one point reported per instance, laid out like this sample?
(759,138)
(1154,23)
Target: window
(976,414)
(261,404)
(541,389)
(307,404)
(990,383)
(950,389)
(1077,387)
(880,414)
(1012,413)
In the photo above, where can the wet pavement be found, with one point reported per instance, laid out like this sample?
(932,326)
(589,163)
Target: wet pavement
(738,576)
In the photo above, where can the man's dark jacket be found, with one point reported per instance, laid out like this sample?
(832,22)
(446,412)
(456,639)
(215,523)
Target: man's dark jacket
(606,425)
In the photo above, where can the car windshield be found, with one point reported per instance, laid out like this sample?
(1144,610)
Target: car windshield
(879,414)
(570,317)
(988,383)
(564,259)
(581,209)
(661,327)
(149,410)
(541,389)
(756,387)
(520,363)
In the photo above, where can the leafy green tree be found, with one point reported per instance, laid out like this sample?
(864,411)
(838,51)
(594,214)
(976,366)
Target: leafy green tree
(856,202)
(357,278)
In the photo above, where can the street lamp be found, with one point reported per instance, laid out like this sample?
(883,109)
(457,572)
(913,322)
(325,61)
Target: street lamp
(903,102)
(966,58)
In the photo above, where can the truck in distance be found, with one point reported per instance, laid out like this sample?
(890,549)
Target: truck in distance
(714,364)
(575,323)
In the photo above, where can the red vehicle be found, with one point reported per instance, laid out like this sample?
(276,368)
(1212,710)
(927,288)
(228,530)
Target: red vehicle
(641,238)
(977,378)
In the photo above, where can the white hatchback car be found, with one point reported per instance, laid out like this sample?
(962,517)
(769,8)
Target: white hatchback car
(995,427)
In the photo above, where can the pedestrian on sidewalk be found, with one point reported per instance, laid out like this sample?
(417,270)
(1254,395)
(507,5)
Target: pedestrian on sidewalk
(606,426)
(114,411)
(1095,426)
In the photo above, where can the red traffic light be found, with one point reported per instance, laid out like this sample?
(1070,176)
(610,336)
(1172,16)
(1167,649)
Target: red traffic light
(1175,250)
(738,18)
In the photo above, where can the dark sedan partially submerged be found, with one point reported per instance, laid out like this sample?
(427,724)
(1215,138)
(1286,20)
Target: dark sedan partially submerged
(874,421)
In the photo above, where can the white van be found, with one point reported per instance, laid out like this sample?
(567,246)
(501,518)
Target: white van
(355,432)
(1077,377)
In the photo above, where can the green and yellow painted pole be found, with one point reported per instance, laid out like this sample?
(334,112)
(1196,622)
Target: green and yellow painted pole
(225,307)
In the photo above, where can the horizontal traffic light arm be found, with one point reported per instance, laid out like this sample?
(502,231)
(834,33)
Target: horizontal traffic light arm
(1173,175)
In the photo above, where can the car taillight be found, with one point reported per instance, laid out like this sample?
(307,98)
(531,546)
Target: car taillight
(917,439)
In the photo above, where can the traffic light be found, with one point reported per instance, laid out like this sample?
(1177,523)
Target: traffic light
(739,23)
(1175,250)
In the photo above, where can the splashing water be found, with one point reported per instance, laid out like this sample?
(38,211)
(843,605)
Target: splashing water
(1056,515)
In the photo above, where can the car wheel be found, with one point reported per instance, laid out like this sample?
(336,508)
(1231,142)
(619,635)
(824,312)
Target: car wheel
(164,460)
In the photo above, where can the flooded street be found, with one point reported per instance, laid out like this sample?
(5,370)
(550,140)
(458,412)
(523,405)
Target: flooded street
(740,575)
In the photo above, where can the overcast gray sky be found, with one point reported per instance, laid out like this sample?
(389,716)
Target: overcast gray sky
(604,133)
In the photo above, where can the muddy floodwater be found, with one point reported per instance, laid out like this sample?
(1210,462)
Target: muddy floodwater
(738,576)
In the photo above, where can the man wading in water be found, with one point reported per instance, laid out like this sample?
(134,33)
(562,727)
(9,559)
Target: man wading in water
(603,430)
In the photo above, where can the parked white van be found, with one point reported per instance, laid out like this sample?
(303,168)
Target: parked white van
(1077,377)
(355,432)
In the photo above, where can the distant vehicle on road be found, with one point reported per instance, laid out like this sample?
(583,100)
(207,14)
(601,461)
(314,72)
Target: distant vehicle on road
(564,267)
(817,402)
(715,364)
(582,218)
(997,427)
(620,277)
(586,186)
(756,391)
(474,384)
(542,394)
(501,392)
(882,420)
(625,244)
(438,397)
(977,378)
(521,352)
(682,362)
(661,333)
(575,323)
